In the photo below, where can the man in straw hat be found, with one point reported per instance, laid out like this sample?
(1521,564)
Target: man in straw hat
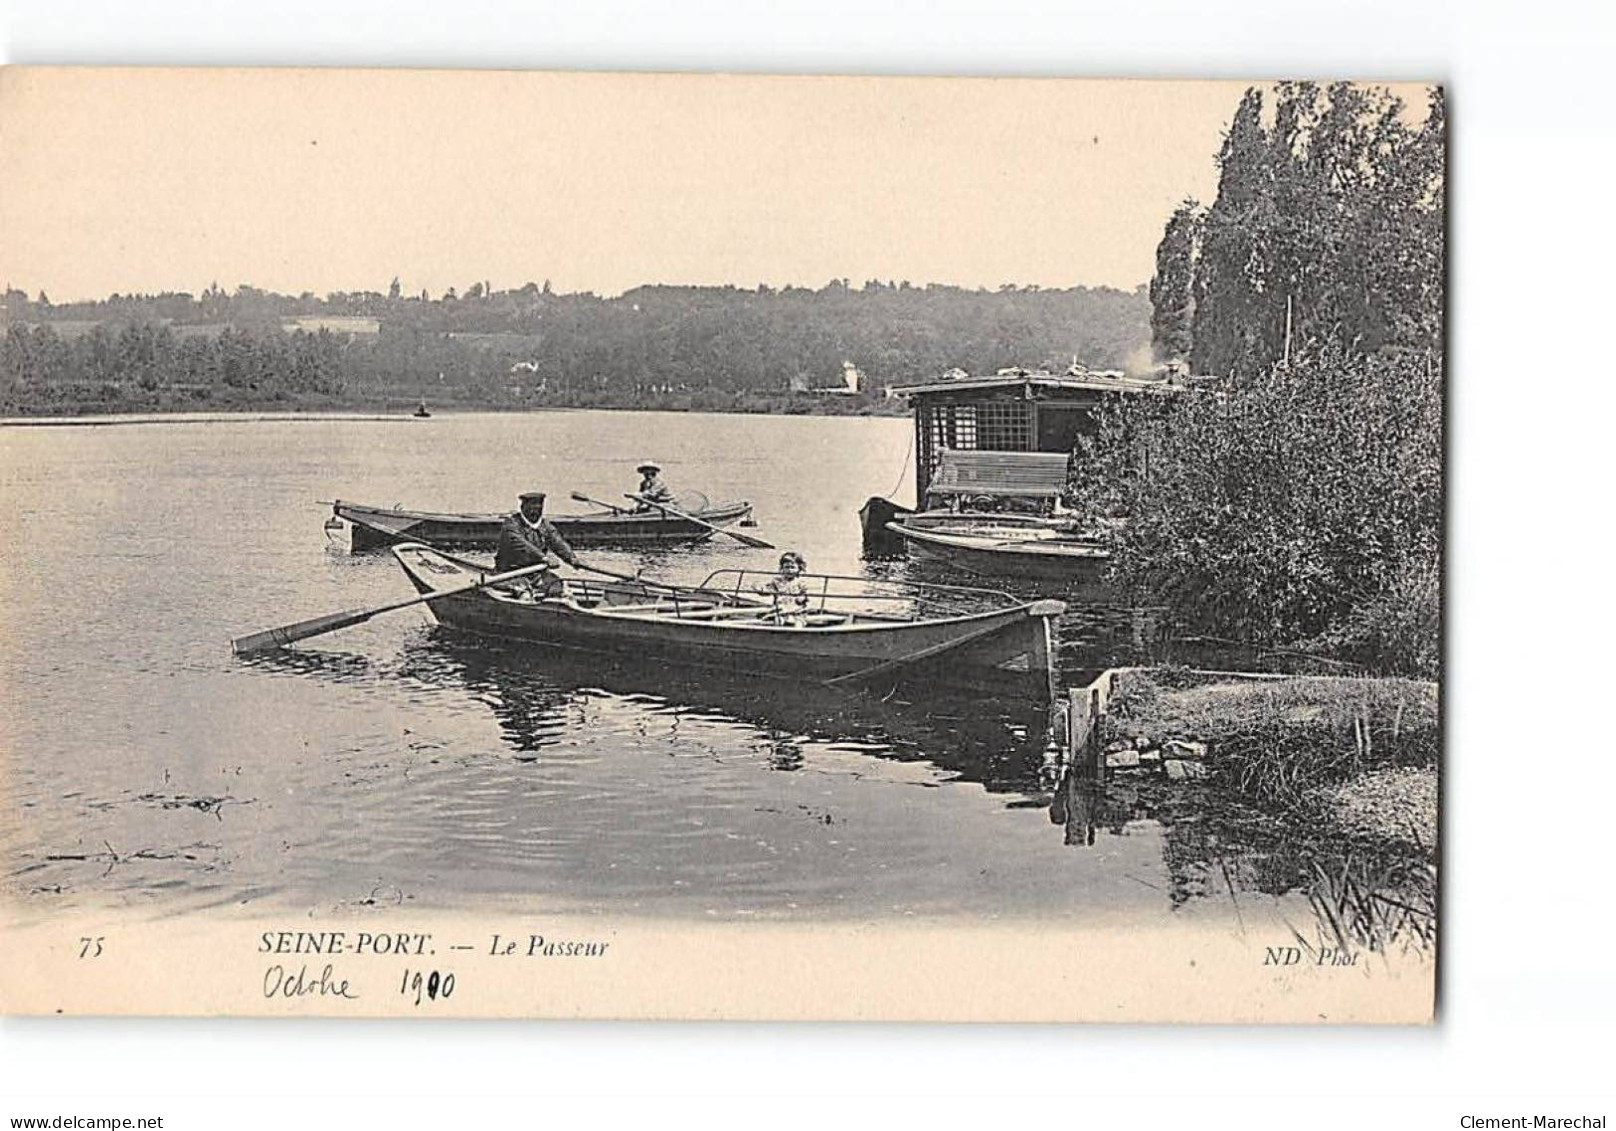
(528,538)
(652,488)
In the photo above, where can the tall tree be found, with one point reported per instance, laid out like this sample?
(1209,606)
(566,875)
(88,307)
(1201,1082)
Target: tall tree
(1327,224)
(1172,289)
(1231,251)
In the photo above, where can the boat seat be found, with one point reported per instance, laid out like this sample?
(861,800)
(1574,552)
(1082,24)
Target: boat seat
(656,607)
(727,611)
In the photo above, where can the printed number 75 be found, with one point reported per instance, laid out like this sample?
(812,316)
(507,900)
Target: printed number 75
(90,947)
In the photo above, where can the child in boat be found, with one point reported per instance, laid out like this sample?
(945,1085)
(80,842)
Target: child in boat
(789,590)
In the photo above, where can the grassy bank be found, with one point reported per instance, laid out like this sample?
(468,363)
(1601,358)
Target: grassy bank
(1358,753)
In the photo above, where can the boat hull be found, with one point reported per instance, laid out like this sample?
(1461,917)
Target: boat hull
(376,527)
(1003,652)
(1043,560)
(874,517)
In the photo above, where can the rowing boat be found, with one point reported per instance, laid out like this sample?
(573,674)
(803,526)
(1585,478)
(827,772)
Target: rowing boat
(1005,549)
(876,634)
(374,527)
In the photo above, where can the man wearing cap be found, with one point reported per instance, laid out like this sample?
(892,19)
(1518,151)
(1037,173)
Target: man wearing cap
(652,487)
(528,538)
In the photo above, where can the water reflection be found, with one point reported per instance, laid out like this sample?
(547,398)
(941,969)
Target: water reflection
(1375,897)
(1206,844)
(1082,807)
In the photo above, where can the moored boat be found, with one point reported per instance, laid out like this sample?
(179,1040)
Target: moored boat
(374,527)
(1005,550)
(888,633)
(996,488)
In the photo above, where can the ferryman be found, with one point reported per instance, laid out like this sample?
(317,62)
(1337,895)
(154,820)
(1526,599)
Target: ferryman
(528,538)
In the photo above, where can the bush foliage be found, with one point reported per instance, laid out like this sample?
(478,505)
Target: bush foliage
(1300,504)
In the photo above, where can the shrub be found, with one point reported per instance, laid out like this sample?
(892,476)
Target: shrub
(1295,505)
(1399,629)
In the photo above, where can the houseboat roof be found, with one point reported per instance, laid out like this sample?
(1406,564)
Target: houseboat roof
(1085,380)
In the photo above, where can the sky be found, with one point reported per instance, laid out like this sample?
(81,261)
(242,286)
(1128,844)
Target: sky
(144,180)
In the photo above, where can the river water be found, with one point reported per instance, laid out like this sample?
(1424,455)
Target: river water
(393,763)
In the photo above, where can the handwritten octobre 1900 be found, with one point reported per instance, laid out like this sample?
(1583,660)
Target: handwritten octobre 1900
(284,979)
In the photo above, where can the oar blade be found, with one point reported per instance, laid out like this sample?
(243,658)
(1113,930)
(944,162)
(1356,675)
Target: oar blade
(272,638)
(316,626)
(580,497)
(746,538)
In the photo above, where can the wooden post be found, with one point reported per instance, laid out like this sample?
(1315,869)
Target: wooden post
(1077,722)
(1096,755)
(1083,733)
(923,451)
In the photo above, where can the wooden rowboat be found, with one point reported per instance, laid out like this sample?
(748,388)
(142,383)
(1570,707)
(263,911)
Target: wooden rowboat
(1009,549)
(374,527)
(1001,647)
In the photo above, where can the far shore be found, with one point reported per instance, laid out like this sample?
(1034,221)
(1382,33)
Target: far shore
(390,414)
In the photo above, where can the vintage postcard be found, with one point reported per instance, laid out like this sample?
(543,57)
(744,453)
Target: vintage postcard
(712,546)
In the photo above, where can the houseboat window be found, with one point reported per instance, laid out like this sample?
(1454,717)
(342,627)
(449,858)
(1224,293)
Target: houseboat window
(1060,426)
(964,437)
(1003,426)
(991,427)
(948,426)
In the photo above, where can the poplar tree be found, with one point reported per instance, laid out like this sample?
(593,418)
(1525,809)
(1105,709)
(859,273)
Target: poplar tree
(1231,267)
(1172,297)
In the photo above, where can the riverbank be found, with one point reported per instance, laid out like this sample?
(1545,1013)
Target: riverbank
(1357,754)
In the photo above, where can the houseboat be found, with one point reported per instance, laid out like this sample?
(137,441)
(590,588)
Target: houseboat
(964,429)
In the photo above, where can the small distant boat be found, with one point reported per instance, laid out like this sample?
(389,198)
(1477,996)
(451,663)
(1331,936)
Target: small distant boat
(420,411)
(1004,549)
(1007,649)
(374,527)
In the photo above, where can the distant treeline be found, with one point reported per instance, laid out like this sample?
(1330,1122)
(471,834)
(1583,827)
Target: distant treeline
(693,347)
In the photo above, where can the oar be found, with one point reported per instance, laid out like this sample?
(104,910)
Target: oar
(614,573)
(635,579)
(665,509)
(318,626)
(597,502)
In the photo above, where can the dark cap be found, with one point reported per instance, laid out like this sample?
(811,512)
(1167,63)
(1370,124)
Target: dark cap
(527,496)
(648,467)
